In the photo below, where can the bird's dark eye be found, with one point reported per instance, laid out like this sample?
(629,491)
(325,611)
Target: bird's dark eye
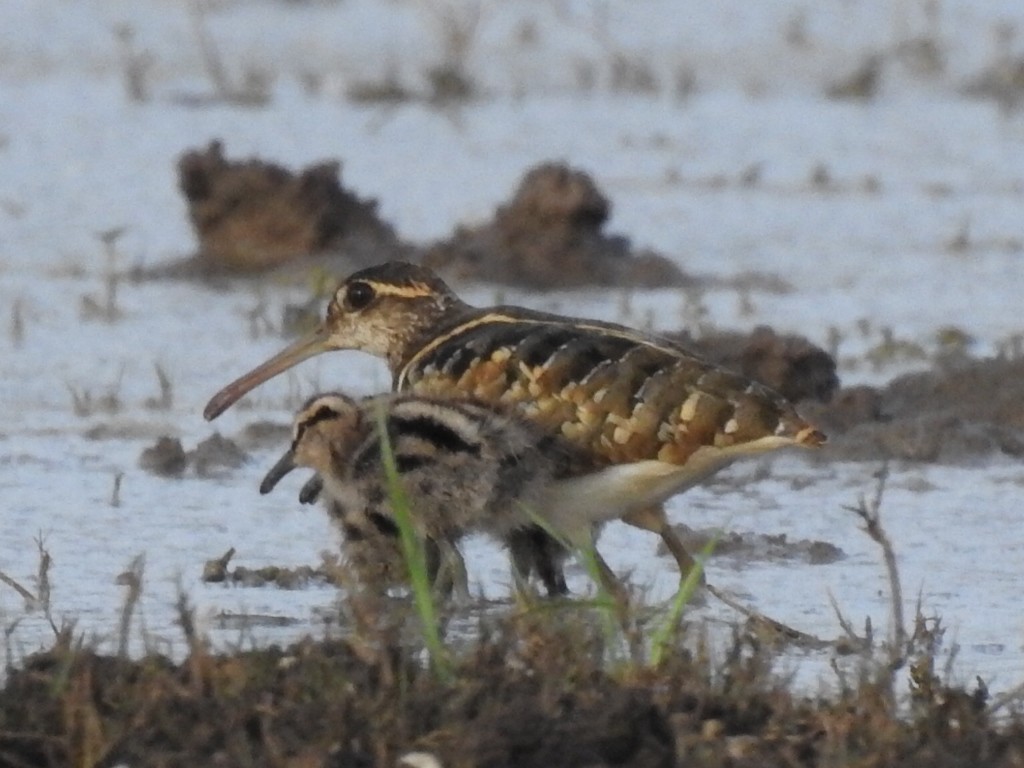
(359,295)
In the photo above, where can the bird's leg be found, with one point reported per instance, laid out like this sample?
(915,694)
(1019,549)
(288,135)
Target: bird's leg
(653,519)
(438,573)
(610,581)
(550,572)
(533,550)
(455,566)
(581,537)
(520,553)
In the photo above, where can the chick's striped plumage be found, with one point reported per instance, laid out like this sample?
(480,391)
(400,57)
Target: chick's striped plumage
(464,467)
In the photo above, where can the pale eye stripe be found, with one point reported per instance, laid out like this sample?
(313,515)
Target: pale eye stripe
(414,290)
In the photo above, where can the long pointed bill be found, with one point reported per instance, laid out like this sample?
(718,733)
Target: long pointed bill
(316,343)
(284,465)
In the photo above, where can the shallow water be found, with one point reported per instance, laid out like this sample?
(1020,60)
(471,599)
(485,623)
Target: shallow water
(78,158)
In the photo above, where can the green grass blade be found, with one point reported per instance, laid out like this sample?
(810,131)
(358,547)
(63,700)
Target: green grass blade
(662,637)
(605,602)
(415,556)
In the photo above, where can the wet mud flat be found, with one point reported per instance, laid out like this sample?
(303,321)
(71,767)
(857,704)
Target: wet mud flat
(547,688)
(532,688)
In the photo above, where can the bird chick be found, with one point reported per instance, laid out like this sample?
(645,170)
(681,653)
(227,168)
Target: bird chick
(463,467)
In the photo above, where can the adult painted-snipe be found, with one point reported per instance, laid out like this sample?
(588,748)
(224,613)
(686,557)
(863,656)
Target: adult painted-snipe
(463,466)
(621,395)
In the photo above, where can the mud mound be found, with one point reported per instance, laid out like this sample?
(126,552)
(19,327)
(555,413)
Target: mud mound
(788,364)
(251,215)
(549,237)
(213,457)
(957,412)
(758,547)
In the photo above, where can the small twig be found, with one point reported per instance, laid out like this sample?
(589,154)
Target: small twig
(1015,694)
(844,683)
(9,631)
(109,238)
(166,399)
(197,658)
(81,401)
(759,619)
(208,50)
(18,322)
(135,63)
(216,570)
(846,626)
(27,596)
(253,90)
(43,584)
(259,321)
(131,578)
(186,619)
(870,513)
(115,494)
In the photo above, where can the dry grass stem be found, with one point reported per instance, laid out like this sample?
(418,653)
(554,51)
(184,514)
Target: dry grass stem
(84,404)
(18,322)
(28,597)
(106,309)
(115,494)
(165,399)
(765,625)
(856,641)
(131,578)
(43,585)
(135,64)
(870,513)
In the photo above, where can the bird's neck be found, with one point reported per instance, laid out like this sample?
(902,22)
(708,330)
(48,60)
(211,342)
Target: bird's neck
(431,323)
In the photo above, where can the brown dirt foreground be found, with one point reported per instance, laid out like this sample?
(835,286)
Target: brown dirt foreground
(535,689)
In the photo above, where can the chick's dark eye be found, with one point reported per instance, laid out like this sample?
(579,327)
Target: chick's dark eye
(358,295)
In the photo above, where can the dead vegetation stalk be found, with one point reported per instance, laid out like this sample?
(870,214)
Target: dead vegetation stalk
(870,512)
(43,584)
(166,398)
(115,493)
(18,322)
(212,60)
(131,578)
(27,596)
(197,658)
(135,64)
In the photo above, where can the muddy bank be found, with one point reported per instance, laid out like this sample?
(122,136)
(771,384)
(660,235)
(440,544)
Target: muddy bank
(787,363)
(550,236)
(964,409)
(252,216)
(960,411)
(532,691)
(745,548)
(213,457)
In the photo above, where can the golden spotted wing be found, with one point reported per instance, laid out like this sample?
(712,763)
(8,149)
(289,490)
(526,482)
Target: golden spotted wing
(622,395)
